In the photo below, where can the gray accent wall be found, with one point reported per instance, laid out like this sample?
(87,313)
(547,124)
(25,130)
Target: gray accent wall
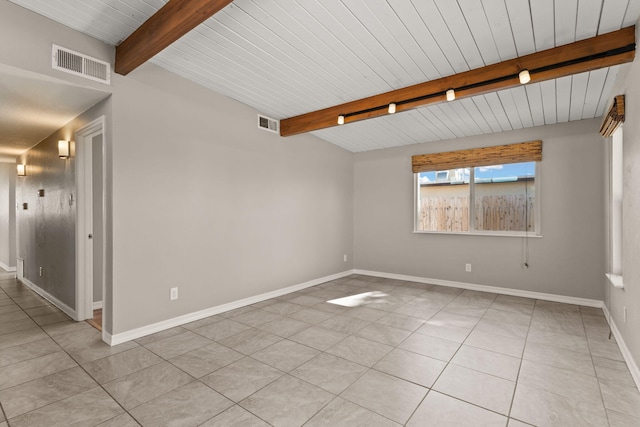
(47,228)
(617,299)
(567,260)
(8,214)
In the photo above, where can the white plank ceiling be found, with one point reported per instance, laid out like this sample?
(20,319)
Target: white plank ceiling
(288,57)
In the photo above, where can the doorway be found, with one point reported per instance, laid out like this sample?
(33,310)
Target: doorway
(90,224)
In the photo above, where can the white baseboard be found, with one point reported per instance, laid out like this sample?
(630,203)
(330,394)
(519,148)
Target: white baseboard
(631,363)
(53,300)
(97,305)
(484,288)
(192,317)
(6,267)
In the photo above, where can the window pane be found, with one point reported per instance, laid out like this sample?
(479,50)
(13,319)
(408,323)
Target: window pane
(443,200)
(615,215)
(505,197)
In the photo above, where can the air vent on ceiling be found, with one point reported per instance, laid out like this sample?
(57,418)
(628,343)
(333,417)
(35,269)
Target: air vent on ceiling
(268,123)
(81,65)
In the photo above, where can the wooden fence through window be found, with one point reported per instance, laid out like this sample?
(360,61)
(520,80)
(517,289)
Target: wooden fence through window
(492,213)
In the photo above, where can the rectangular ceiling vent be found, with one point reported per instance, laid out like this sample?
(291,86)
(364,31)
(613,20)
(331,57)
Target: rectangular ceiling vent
(81,65)
(267,123)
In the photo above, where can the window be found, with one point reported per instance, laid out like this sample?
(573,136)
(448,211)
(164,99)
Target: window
(615,209)
(612,128)
(479,196)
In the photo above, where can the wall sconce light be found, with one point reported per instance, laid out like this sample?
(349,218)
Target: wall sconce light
(524,76)
(22,169)
(64,150)
(392,108)
(340,119)
(451,95)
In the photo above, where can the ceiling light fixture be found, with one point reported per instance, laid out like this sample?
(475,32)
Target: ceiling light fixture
(524,76)
(451,95)
(340,119)
(22,169)
(392,108)
(64,150)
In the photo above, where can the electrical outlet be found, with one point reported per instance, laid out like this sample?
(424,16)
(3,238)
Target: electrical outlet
(624,314)
(467,267)
(345,257)
(174,294)
(40,271)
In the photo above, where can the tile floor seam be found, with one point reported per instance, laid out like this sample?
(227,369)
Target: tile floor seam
(107,392)
(467,402)
(357,404)
(78,365)
(276,379)
(604,405)
(513,395)
(4,413)
(367,369)
(238,402)
(429,391)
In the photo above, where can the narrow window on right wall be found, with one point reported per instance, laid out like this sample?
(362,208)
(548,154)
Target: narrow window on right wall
(612,130)
(615,207)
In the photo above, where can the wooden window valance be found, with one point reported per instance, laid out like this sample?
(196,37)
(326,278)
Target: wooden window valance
(613,118)
(486,156)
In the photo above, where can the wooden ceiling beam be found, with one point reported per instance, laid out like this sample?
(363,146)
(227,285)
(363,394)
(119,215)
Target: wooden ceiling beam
(172,21)
(606,50)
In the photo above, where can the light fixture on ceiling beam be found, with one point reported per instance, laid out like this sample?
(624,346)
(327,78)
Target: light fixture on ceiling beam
(392,108)
(340,119)
(524,77)
(617,47)
(64,149)
(22,169)
(451,94)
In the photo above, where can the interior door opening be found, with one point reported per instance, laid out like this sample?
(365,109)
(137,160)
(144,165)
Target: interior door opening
(90,223)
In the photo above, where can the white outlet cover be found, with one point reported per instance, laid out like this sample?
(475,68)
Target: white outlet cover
(174,293)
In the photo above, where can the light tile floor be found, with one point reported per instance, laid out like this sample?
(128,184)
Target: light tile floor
(402,353)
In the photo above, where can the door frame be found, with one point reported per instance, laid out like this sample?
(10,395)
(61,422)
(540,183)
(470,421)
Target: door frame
(84,216)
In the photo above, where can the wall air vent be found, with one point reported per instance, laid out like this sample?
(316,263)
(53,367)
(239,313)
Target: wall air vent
(81,65)
(267,123)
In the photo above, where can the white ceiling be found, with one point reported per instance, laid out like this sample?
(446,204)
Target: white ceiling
(33,106)
(288,57)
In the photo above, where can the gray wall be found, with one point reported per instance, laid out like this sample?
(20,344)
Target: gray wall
(629,84)
(569,258)
(205,201)
(8,214)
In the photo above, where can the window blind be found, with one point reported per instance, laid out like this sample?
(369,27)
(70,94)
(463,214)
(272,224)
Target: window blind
(486,156)
(613,118)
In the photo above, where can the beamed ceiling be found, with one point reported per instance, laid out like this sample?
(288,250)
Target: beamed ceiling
(286,58)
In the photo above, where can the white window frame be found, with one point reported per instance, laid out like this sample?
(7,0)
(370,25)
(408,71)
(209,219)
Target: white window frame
(472,231)
(616,184)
